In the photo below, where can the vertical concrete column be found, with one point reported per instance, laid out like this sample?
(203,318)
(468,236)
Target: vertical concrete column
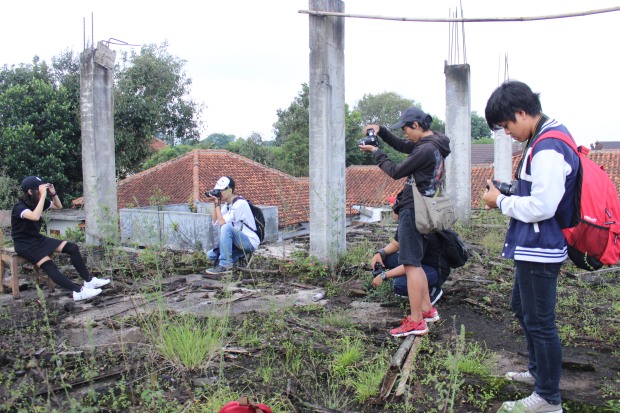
(98,162)
(327,138)
(458,129)
(502,156)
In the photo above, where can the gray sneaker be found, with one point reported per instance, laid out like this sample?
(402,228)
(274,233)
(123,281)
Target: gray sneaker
(219,270)
(531,404)
(523,377)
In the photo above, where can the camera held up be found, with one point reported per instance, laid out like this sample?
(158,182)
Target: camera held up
(505,188)
(370,139)
(214,192)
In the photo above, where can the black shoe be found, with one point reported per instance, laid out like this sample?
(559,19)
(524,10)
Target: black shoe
(219,270)
(436,294)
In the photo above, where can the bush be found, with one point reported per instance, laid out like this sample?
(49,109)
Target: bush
(9,190)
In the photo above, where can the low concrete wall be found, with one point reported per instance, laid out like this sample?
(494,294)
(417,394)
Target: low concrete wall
(172,228)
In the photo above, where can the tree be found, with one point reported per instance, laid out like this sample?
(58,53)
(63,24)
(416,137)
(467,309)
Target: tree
(479,127)
(292,135)
(383,109)
(166,154)
(151,99)
(253,148)
(38,132)
(218,140)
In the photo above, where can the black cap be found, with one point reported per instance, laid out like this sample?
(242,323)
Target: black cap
(31,182)
(413,115)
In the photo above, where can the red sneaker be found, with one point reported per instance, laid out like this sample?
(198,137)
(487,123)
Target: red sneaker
(409,327)
(430,315)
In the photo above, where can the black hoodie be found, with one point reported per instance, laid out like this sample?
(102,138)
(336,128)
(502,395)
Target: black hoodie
(424,164)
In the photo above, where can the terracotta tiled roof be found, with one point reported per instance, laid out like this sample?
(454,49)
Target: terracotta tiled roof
(609,160)
(179,181)
(368,185)
(189,176)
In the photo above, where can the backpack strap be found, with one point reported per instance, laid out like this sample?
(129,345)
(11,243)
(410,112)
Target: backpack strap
(243,222)
(554,134)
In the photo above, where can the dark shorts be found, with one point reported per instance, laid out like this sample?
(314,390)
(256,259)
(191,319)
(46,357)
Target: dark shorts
(411,247)
(37,249)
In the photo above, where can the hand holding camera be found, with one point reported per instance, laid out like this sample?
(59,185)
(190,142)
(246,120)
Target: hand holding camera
(370,139)
(504,188)
(214,193)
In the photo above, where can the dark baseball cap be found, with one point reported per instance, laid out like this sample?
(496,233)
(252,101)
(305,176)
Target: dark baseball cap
(411,115)
(31,182)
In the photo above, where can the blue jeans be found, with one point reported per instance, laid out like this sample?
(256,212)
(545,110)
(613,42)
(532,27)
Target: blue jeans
(533,303)
(234,244)
(399,284)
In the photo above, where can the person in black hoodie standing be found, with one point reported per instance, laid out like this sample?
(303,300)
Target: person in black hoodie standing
(424,167)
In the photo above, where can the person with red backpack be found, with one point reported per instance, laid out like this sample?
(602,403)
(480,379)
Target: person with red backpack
(542,205)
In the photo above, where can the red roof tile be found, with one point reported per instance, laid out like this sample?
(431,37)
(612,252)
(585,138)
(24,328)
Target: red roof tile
(366,184)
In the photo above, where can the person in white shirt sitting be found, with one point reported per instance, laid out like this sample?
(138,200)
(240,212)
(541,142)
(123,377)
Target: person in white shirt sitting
(238,237)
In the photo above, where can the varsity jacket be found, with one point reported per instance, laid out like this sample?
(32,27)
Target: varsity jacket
(544,199)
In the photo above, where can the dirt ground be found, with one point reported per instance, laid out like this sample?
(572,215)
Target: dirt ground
(29,337)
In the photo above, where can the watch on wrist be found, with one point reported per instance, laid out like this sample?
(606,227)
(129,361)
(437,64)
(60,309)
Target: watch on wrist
(383,275)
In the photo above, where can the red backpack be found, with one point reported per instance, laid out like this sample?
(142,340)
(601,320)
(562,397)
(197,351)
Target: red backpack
(244,406)
(592,237)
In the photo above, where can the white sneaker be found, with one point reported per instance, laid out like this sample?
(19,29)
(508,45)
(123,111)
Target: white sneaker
(531,404)
(86,293)
(522,376)
(96,283)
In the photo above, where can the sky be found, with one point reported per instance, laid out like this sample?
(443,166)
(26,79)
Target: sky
(247,59)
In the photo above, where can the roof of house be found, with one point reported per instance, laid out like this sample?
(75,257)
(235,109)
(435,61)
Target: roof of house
(189,176)
(601,145)
(609,160)
(483,153)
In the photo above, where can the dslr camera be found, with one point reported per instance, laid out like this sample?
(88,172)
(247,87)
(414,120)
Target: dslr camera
(214,192)
(505,188)
(370,139)
(378,269)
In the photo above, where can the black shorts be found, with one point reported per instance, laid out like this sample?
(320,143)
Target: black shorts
(36,249)
(410,241)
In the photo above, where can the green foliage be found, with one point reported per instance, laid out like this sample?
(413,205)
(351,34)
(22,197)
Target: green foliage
(9,189)
(151,98)
(307,267)
(165,154)
(479,127)
(187,342)
(254,148)
(383,109)
(218,140)
(39,129)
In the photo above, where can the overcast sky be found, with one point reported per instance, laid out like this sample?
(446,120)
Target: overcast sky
(248,58)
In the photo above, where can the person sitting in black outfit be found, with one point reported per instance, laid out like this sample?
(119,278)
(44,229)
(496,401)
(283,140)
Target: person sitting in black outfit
(36,248)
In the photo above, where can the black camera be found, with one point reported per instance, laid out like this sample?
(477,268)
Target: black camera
(370,139)
(214,192)
(378,269)
(505,188)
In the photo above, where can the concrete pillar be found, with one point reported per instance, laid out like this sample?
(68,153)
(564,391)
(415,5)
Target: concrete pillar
(98,162)
(458,129)
(327,137)
(502,156)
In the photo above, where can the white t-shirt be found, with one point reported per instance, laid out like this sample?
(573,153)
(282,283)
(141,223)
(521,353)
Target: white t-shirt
(240,214)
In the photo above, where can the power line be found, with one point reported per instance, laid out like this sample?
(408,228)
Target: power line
(461,20)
